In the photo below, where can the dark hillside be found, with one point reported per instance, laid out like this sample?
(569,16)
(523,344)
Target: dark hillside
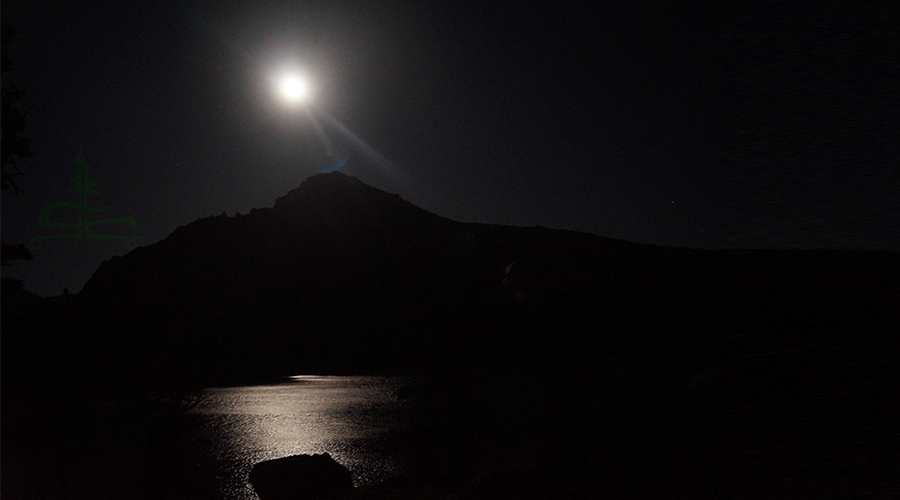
(342,277)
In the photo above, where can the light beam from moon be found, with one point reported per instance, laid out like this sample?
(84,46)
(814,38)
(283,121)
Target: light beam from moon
(360,144)
(323,137)
(379,160)
(295,89)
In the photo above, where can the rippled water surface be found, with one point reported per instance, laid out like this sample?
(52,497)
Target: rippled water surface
(343,416)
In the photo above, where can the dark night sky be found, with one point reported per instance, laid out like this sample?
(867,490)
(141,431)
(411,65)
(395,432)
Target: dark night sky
(661,122)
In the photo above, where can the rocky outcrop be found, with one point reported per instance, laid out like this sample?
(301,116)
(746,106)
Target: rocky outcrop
(302,477)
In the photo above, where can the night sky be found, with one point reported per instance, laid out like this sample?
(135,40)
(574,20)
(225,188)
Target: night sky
(655,122)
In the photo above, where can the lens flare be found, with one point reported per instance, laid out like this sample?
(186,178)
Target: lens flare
(358,143)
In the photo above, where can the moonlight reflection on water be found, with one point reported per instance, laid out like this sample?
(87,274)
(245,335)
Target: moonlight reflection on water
(342,416)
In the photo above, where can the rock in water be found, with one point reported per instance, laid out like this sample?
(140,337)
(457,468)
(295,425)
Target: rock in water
(302,477)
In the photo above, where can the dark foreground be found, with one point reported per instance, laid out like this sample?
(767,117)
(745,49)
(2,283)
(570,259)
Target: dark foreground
(485,439)
(794,396)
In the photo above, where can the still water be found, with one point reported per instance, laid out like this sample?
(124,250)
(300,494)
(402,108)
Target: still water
(347,417)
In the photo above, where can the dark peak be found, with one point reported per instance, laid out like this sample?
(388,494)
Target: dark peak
(329,191)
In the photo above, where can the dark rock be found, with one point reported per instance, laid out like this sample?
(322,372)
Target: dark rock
(301,477)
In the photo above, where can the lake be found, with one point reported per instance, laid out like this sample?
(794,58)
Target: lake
(347,417)
(634,437)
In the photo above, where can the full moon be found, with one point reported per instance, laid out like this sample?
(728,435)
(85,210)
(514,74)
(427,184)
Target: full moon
(293,88)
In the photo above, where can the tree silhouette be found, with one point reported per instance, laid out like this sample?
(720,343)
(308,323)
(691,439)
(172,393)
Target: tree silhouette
(12,145)
(12,119)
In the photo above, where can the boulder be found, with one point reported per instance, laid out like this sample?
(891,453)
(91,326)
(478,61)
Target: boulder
(302,477)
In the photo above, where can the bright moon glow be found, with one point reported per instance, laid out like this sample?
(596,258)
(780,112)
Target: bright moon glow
(294,88)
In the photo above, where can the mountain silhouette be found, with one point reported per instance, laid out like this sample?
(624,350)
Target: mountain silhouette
(341,277)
